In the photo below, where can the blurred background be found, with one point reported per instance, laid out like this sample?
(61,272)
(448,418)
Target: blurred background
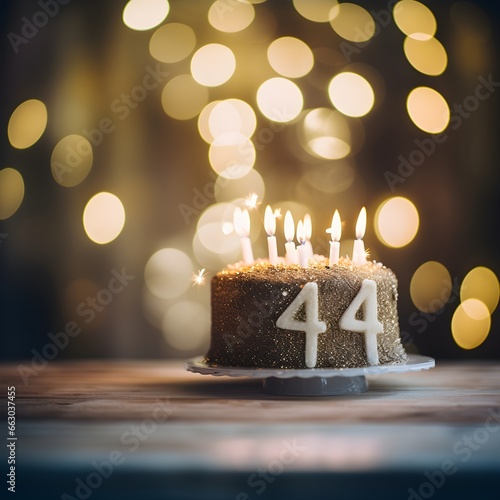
(131,131)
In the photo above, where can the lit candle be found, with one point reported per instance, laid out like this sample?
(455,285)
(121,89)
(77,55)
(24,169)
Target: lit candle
(291,252)
(270,227)
(251,201)
(302,250)
(358,252)
(308,234)
(335,232)
(241,223)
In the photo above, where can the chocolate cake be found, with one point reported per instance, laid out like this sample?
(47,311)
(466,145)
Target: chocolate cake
(287,316)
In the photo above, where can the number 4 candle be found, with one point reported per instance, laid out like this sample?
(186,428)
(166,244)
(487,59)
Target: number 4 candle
(370,326)
(312,326)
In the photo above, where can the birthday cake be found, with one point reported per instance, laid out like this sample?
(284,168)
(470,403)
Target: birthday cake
(319,316)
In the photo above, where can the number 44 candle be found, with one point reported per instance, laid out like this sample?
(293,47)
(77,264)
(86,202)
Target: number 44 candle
(345,308)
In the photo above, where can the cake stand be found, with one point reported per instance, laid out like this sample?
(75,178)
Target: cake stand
(312,381)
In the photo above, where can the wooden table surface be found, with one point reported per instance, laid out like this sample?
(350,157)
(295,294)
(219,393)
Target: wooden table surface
(149,429)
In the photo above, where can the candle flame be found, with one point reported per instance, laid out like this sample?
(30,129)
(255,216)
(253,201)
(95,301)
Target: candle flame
(269,221)
(301,233)
(277,213)
(227,227)
(199,278)
(241,222)
(336,229)
(251,200)
(289,226)
(307,227)
(361,224)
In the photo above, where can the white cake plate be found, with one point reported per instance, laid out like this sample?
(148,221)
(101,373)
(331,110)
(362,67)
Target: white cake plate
(312,381)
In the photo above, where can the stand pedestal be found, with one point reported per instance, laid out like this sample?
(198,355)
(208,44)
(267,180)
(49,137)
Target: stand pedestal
(315,386)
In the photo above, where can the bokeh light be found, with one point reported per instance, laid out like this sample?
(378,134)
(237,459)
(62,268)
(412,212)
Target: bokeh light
(183,98)
(280,99)
(103,218)
(172,43)
(396,222)
(186,325)
(218,212)
(232,155)
(27,123)
(232,115)
(141,15)
(11,192)
(213,238)
(71,160)
(351,94)
(476,309)
(290,57)
(203,119)
(352,22)
(216,260)
(325,133)
(213,64)
(227,190)
(430,287)
(210,229)
(470,324)
(481,283)
(332,178)
(315,10)
(428,110)
(427,56)
(415,19)
(231,17)
(168,273)
(330,148)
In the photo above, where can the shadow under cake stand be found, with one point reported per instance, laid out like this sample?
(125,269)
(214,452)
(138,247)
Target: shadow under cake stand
(312,381)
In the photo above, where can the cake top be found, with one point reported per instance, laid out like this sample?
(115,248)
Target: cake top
(317,270)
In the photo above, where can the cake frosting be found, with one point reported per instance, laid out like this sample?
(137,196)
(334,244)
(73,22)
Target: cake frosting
(287,316)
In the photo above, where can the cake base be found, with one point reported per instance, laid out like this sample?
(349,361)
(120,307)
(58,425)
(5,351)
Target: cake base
(314,381)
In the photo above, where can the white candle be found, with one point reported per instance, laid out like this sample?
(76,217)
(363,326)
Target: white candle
(241,223)
(335,232)
(308,234)
(370,326)
(302,249)
(291,252)
(312,326)
(270,227)
(358,252)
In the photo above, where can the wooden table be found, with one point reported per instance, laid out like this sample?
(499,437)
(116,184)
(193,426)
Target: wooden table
(141,430)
